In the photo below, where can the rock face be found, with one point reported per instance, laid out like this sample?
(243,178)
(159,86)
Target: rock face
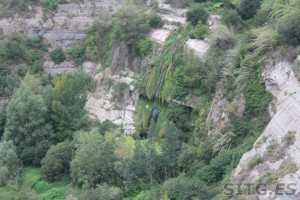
(173,18)
(218,115)
(199,47)
(102,105)
(279,145)
(65,28)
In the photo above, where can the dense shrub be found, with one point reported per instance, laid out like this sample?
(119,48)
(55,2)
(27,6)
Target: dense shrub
(248,8)
(156,21)
(131,23)
(186,188)
(57,160)
(179,115)
(77,53)
(144,46)
(200,30)
(232,18)
(289,30)
(57,55)
(261,17)
(197,13)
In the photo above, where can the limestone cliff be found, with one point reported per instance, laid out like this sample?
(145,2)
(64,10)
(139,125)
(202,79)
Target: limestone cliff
(279,145)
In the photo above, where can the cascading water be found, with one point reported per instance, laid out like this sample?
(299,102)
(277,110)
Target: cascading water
(158,88)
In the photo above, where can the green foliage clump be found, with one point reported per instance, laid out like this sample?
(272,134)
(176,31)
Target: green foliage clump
(179,115)
(197,13)
(77,54)
(97,167)
(9,162)
(248,9)
(186,188)
(200,30)
(119,91)
(156,21)
(56,161)
(57,55)
(102,192)
(257,99)
(289,30)
(66,102)
(261,17)
(32,137)
(144,46)
(290,138)
(255,161)
(179,91)
(50,4)
(232,18)
(131,24)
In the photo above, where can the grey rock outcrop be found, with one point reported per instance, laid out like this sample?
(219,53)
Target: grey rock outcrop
(272,145)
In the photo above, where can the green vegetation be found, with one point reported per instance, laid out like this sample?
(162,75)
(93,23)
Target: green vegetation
(248,9)
(197,13)
(45,123)
(57,55)
(256,161)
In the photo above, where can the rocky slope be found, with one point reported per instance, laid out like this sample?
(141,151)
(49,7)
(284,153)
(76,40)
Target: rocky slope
(279,145)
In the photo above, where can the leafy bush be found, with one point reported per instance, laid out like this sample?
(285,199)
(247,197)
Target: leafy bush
(97,167)
(131,23)
(197,13)
(57,160)
(144,46)
(289,30)
(77,53)
(261,17)
(186,188)
(179,115)
(50,4)
(232,18)
(57,55)
(156,22)
(248,8)
(200,30)
(290,138)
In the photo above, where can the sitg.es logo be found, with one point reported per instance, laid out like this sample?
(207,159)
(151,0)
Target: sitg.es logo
(261,189)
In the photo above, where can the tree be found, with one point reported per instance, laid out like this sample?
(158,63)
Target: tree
(26,125)
(248,8)
(9,162)
(57,161)
(289,30)
(93,161)
(67,103)
(171,150)
(197,13)
(2,120)
(132,24)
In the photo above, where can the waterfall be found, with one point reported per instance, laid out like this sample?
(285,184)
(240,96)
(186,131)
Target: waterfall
(157,91)
(152,121)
